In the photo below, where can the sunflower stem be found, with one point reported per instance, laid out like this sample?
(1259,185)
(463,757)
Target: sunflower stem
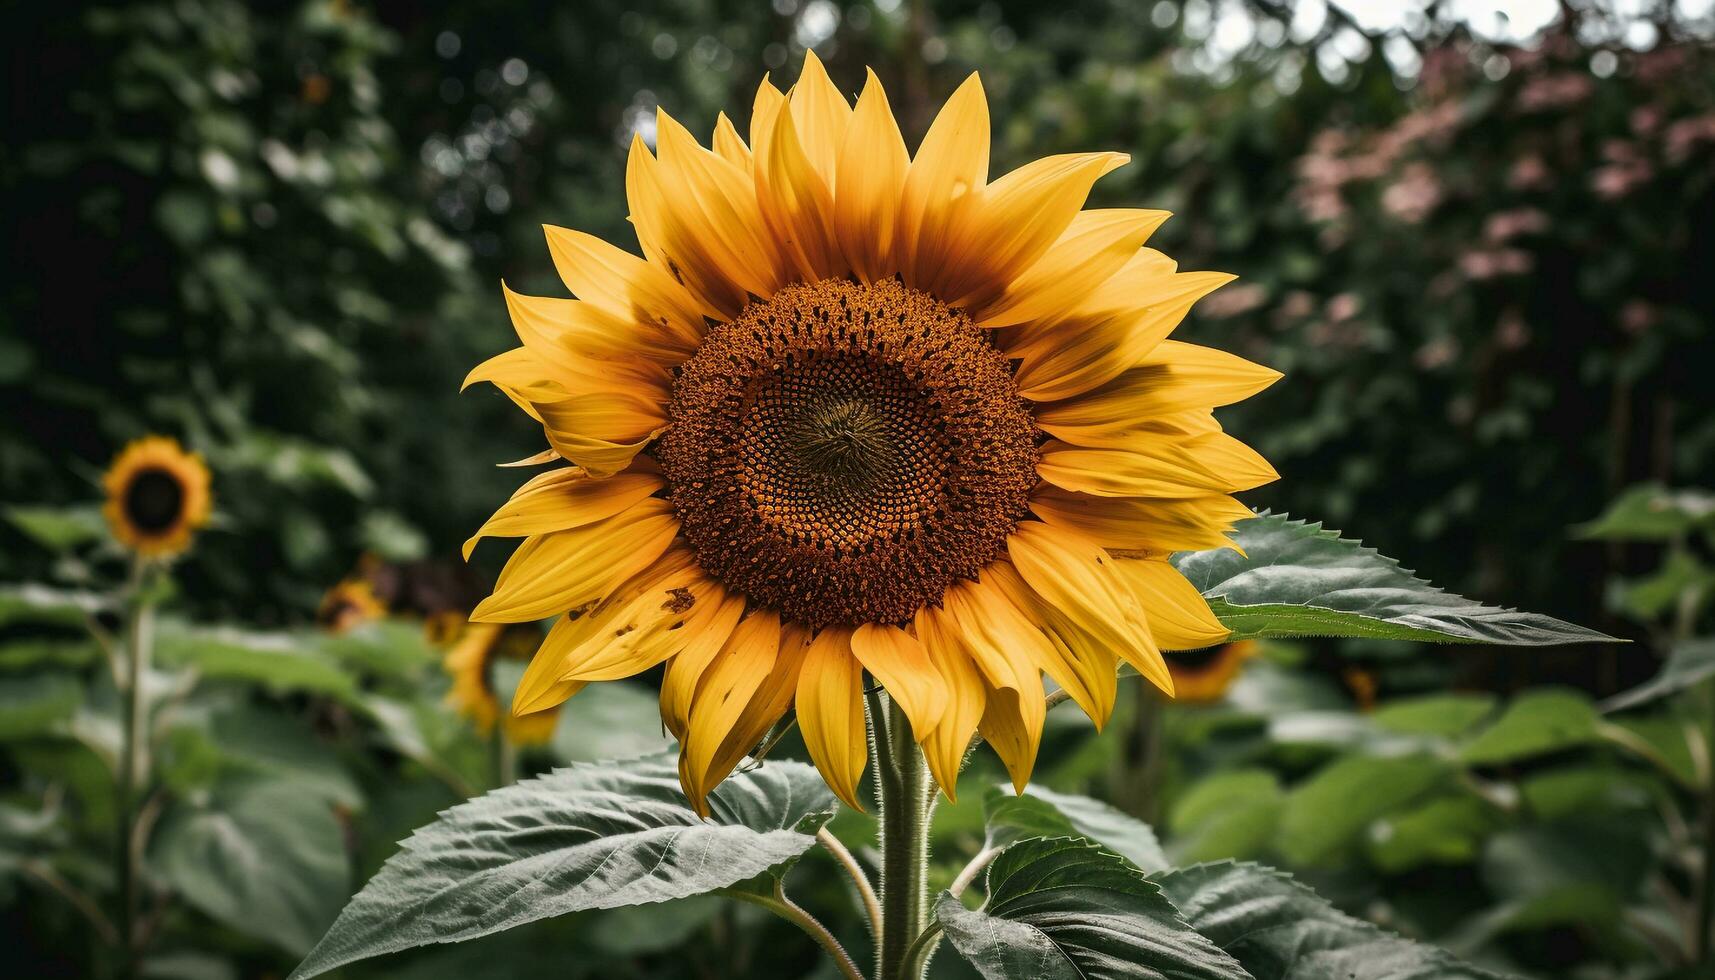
(905,797)
(133,757)
(1702,953)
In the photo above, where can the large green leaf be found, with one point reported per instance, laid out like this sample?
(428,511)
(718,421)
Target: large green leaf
(1067,909)
(1232,813)
(279,662)
(1279,929)
(265,857)
(39,604)
(37,703)
(1335,807)
(1688,664)
(585,837)
(59,528)
(1538,722)
(1295,579)
(1045,813)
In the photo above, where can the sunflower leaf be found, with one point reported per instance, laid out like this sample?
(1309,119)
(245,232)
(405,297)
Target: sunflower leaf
(1278,928)
(1688,664)
(1294,578)
(585,837)
(1068,909)
(1045,813)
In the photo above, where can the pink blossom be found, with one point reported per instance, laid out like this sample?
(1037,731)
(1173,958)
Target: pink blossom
(1505,225)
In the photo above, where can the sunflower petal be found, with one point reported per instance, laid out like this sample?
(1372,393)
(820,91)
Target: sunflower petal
(625,285)
(1012,726)
(1087,676)
(561,499)
(723,692)
(945,747)
(1179,616)
(1087,351)
(1152,467)
(796,201)
(869,182)
(1076,577)
(551,573)
(715,212)
(820,114)
(698,649)
(1132,524)
(1172,378)
(1094,248)
(942,184)
(1017,219)
(897,659)
(730,145)
(830,713)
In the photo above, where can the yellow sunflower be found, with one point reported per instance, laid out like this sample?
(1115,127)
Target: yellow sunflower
(1203,676)
(861,411)
(470,662)
(157,496)
(349,605)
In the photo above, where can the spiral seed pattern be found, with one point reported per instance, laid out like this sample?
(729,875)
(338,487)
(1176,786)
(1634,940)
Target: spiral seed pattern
(842,453)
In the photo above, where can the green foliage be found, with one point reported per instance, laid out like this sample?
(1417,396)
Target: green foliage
(1045,813)
(587,837)
(1068,909)
(1538,722)
(1277,928)
(1290,578)
(260,855)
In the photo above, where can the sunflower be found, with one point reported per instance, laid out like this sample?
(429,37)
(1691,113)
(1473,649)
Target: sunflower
(470,663)
(1203,676)
(157,496)
(349,605)
(854,411)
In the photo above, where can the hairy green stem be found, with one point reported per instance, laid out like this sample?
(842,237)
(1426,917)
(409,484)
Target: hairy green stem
(906,800)
(860,881)
(1705,922)
(133,759)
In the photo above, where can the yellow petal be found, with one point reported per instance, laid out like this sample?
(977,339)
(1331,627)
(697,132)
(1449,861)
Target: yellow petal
(625,285)
(1154,467)
(1091,251)
(643,626)
(1012,726)
(1179,616)
(902,666)
(1240,466)
(697,650)
(1172,378)
(730,145)
(552,573)
(1075,576)
(830,713)
(549,455)
(942,184)
(715,212)
(722,693)
(796,202)
(769,101)
(820,114)
(1124,433)
(1015,221)
(666,218)
(1023,621)
(602,431)
(945,747)
(869,182)
(564,498)
(1133,524)
(1089,350)
(765,708)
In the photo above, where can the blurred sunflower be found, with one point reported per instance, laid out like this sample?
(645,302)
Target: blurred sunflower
(349,605)
(157,496)
(860,411)
(470,663)
(1203,676)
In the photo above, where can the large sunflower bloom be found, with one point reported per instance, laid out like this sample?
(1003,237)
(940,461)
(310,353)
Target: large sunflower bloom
(861,411)
(157,496)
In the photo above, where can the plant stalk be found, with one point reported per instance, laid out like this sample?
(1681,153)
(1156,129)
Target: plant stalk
(133,760)
(1701,940)
(906,801)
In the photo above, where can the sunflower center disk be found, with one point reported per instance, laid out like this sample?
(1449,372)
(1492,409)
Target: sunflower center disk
(153,501)
(843,453)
